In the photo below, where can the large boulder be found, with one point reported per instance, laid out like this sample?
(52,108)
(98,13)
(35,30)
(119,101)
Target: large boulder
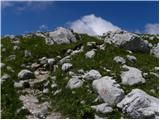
(126,40)
(155,51)
(139,104)
(60,36)
(131,76)
(74,83)
(25,74)
(92,75)
(108,90)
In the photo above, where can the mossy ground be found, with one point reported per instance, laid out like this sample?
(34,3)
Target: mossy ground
(66,102)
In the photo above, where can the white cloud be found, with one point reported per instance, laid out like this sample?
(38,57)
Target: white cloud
(33,6)
(152,28)
(43,27)
(92,25)
(5,4)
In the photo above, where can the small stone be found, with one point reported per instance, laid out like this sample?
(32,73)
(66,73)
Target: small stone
(57,92)
(90,54)
(46,90)
(51,61)
(27,53)
(103,108)
(74,83)
(66,66)
(2,65)
(92,75)
(131,58)
(119,60)
(25,74)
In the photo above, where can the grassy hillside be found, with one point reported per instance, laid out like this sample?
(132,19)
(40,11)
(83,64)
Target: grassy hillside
(69,102)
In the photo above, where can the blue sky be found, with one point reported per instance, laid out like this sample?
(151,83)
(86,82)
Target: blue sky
(22,17)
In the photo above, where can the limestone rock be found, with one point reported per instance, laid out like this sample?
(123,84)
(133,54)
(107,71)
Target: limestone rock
(66,66)
(108,90)
(139,104)
(74,83)
(90,54)
(119,60)
(103,108)
(92,75)
(25,74)
(126,40)
(131,76)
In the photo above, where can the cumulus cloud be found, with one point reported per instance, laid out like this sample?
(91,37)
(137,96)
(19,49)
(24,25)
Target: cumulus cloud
(92,25)
(152,28)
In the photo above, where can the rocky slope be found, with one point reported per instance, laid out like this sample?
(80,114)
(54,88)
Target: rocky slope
(62,74)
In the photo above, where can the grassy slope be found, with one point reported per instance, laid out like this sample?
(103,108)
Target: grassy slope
(66,102)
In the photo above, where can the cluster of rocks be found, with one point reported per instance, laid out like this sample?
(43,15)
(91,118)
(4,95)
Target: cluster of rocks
(137,103)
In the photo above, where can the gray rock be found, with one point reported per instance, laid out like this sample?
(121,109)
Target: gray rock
(16,42)
(108,90)
(139,104)
(9,68)
(65,59)
(103,108)
(92,75)
(46,90)
(90,44)
(27,53)
(131,58)
(131,76)
(119,60)
(43,60)
(35,65)
(51,61)
(155,51)
(66,66)
(5,77)
(74,83)
(60,36)
(25,74)
(126,40)
(90,54)
(16,48)
(18,84)
(3,49)
(11,57)
(2,65)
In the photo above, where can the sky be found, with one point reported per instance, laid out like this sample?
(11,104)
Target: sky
(92,17)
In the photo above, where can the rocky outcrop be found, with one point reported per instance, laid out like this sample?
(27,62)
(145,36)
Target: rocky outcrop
(131,76)
(126,40)
(60,36)
(139,104)
(108,90)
